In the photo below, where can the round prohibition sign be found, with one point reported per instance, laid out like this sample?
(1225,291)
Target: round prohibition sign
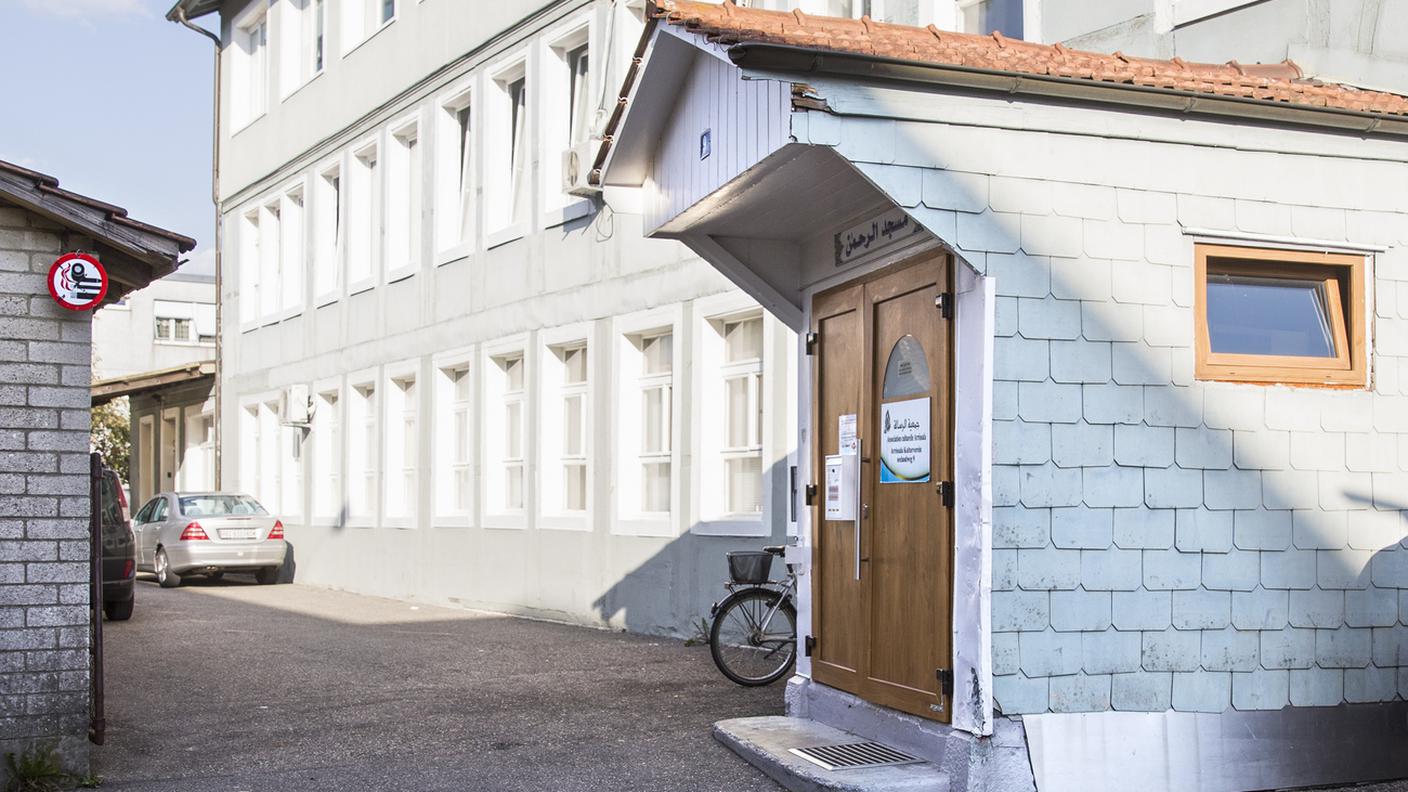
(78,281)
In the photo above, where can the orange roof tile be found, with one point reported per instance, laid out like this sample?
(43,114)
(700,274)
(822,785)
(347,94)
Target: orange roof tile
(1283,82)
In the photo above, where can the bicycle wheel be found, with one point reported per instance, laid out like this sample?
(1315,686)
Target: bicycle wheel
(750,647)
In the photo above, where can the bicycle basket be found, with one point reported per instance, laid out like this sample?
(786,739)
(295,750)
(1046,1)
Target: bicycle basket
(749,566)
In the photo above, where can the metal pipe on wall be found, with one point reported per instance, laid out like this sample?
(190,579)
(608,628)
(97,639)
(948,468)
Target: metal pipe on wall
(180,13)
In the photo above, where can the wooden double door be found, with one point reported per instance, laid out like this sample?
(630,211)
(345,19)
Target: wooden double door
(882,582)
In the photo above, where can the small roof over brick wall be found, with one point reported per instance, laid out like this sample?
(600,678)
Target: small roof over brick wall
(134,253)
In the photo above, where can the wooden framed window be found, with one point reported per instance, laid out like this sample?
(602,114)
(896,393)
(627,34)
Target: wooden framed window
(1279,316)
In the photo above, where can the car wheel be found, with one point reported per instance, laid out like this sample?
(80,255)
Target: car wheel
(216,575)
(119,610)
(266,576)
(164,575)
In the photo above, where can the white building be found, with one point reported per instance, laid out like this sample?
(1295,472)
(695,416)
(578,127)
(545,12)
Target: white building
(169,323)
(1138,521)
(456,372)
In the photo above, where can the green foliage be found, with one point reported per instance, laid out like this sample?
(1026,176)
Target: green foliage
(702,630)
(112,435)
(36,770)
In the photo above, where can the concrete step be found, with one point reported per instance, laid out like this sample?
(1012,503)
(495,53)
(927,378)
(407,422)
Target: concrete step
(766,743)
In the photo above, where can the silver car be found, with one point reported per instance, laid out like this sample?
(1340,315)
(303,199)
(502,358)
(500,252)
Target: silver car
(207,533)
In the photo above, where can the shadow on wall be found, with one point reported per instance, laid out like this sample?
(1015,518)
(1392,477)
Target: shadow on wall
(671,592)
(289,571)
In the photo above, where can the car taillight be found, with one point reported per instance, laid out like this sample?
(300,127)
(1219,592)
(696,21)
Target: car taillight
(193,531)
(122,503)
(127,569)
(277,532)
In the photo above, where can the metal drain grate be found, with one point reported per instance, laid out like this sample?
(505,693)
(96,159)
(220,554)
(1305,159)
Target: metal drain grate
(852,756)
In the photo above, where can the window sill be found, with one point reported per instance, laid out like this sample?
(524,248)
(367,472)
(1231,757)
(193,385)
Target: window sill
(732,526)
(645,526)
(302,85)
(175,343)
(401,273)
(572,210)
(451,255)
(505,235)
(383,26)
(366,284)
(361,522)
(324,300)
(240,127)
(404,523)
(566,522)
(451,521)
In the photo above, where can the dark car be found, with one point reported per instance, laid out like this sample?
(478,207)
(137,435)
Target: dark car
(119,550)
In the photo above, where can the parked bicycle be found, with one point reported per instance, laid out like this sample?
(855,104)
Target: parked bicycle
(754,636)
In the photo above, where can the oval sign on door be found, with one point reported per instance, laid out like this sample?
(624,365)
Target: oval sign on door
(904,424)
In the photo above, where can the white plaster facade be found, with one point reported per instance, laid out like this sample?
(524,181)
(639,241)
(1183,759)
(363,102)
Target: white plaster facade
(126,337)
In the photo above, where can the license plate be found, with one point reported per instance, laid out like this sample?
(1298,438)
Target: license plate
(238,533)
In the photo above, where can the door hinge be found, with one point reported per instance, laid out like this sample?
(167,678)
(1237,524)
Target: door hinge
(944,302)
(809,646)
(945,489)
(811,494)
(945,678)
(811,343)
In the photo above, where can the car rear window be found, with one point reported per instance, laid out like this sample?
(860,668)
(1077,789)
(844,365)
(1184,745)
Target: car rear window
(219,505)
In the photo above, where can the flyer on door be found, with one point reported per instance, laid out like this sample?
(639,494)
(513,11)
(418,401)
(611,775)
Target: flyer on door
(904,442)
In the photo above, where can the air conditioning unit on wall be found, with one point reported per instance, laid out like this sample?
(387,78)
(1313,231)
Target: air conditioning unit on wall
(294,406)
(577,168)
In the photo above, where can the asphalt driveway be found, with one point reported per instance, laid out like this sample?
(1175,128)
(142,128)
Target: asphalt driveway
(225,686)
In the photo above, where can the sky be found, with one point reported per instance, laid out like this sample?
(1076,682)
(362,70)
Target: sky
(113,101)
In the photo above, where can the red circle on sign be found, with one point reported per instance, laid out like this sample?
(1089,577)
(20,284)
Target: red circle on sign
(77,281)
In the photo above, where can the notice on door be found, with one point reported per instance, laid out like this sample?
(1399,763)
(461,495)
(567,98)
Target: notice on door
(904,442)
(847,426)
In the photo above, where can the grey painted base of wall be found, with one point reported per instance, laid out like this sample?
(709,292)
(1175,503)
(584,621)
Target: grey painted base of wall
(988,764)
(1151,751)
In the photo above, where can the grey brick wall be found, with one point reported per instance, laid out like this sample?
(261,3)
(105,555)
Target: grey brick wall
(1162,542)
(44,551)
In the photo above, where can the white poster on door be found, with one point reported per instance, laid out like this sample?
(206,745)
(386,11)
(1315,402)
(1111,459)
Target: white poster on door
(904,442)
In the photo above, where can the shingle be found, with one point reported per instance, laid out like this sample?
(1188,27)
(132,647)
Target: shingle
(1342,569)
(1143,528)
(1202,691)
(1365,685)
(1050,653)
(1015,694)
(1080,693)
(1020,610)
(1080,361)
(1082,445)
(1261,449)
(1143,446)
(1144,691)
(1316,687)
(1110,652)
(1319,530)
(1081,279)
(1202,530)
(1230,650)
(1102,320)
(1050,235)
(1199,609)
(1115,570)
(1317,608)
(1048,317)
(1169,488)
(1021,443)
(1260,609)
(1168,405)
(1344,647)
(1113,404)
(1372,607)
(1140,364)
(1141,610)
(1048,568)
(1171,650)
(1018,359)
(1232,489)
(1079,610)
(1261,529)
(1049,401)
(1288,648)
(1260,690)
(1237,570)
(1112,486)
(1015,526)
(1048,485)
(1204,448)
(1171,570)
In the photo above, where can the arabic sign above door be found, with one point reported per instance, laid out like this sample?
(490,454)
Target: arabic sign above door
(876,234)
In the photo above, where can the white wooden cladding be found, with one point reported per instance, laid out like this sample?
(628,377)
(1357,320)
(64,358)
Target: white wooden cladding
(746,119)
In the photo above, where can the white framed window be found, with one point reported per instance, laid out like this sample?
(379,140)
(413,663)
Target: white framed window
(403,201)
(249,266)
(362,233)
(506,153)
(567,105)
(565,427)
(290,453)
(327,461)
(270,249)
(363,434)
(985,16)
(291,250)
(647,456)
(362,19)
(506,424)
(327,232)
(402,481)
(183,323)
(302,30)
(249,79)
(198,460)
(454,175)
(266,441)
(453,438)
(730,473)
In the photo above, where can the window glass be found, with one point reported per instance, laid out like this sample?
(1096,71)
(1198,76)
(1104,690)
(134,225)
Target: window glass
(985,16)
(579,100)
(1268,316)
(219,505)
(159,512)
